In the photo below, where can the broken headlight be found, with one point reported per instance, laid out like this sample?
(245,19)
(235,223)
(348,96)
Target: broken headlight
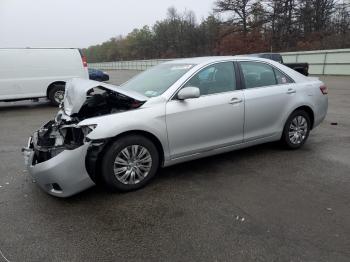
(87,129)
(75,136)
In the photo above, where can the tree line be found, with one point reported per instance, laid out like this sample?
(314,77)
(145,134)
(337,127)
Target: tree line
(235,27)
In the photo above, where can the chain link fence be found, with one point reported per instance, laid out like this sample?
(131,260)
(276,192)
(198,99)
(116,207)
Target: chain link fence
(128,65)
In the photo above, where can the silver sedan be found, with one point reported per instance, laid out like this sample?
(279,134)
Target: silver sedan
(174,112)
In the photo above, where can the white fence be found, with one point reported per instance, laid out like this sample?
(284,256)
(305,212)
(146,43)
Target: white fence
(321,62)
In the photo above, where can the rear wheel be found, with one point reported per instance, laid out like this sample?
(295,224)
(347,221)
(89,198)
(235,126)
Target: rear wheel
(129,163)
(296,130)
(56,94)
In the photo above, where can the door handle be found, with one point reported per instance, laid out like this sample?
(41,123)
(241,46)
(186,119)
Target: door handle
(235,100)
(291,91)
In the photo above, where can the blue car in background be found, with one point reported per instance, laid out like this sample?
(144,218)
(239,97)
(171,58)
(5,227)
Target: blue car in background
(98,75)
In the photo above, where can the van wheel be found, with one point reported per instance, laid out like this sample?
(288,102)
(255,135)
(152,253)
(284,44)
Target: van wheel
(296,130)
(129,163)
(56,94)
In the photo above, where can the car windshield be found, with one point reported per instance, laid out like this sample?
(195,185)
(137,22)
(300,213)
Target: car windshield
(158,79)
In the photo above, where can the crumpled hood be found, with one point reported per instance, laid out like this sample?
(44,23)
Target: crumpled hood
(77,89)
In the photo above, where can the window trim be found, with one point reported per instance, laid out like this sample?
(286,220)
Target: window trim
(262,62)
(236,72)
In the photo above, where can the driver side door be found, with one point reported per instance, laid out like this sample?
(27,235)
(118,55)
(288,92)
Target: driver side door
(213,120)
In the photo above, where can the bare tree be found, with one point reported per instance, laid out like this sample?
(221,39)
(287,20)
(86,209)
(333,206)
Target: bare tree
(281,15)
(244,26)
(315,15)
(341,24)
(239,9)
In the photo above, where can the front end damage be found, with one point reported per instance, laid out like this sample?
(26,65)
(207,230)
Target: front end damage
(55,158)
(60,156)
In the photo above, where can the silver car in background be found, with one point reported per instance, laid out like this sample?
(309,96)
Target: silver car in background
(174,112)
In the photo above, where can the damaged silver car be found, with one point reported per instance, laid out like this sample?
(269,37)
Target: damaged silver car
(174,112)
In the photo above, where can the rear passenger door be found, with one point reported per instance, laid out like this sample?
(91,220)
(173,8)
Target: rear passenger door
(268,93)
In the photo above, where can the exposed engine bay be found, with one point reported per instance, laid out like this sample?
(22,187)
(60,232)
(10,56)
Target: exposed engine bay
(101,101)
(64,132)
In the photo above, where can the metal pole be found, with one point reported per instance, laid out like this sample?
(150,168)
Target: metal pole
(324,62)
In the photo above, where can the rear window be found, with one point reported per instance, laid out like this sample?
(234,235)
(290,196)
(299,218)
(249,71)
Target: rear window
(258,74)
(282,78)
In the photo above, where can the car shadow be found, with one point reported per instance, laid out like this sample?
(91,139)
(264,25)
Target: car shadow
(202,164)
(25,104)
(200,168)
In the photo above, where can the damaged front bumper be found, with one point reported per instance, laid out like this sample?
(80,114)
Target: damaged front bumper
(63,173)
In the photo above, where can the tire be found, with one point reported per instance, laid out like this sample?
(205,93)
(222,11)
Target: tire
(296,130)
(114,167)
(56,94)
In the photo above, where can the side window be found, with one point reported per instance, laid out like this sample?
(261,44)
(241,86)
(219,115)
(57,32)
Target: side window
(206,75)
(282,78)
(258,74)
(216,78)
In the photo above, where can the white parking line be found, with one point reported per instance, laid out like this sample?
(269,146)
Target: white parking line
(4,256)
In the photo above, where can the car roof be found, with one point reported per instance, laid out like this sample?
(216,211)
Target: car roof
(211,59)
(203,61)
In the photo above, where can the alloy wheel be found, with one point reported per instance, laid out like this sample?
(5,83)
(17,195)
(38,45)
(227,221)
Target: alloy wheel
(298,129)
(132,164)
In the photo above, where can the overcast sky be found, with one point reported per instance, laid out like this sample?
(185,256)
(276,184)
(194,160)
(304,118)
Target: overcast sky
(81,23)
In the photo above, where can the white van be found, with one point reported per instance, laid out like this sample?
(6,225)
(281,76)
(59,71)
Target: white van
(29,73)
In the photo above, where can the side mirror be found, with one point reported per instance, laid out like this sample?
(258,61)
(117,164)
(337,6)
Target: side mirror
(188,92)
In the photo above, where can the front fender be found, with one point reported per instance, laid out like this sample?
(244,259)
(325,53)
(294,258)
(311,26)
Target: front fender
(151,120)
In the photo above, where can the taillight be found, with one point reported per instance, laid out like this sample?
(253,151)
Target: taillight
(83,58)
(324,90)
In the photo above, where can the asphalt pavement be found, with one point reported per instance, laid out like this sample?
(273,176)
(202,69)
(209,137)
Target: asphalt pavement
(262,203)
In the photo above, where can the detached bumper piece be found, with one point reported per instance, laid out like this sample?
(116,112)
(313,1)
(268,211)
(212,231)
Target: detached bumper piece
(57,167)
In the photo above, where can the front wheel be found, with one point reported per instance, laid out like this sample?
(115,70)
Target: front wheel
(296,130)
(129,163)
